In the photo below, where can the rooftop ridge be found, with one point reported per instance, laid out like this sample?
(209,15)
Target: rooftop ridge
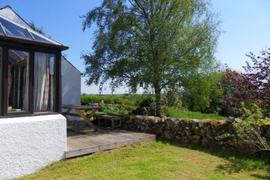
(6,6)
(12,10)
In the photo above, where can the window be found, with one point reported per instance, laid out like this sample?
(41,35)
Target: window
(18,81)
(29,81)
(44,82)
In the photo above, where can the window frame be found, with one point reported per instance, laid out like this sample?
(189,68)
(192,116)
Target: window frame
(31,49)
(6,98)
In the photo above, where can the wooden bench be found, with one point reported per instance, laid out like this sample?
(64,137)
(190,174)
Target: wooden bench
(78,112)
(115,121)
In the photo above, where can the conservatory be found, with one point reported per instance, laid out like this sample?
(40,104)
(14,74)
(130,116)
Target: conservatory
(30,70)
(32,132)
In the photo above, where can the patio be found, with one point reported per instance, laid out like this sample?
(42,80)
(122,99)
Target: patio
(91,142)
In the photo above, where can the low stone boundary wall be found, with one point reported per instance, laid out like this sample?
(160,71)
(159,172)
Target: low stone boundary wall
(204,133)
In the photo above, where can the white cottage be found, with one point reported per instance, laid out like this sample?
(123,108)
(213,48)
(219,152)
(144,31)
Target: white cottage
(32,130)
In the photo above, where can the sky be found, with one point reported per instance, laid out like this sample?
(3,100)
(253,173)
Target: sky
(244,28)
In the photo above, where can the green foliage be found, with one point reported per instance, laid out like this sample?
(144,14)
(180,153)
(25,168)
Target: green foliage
(114,110)
(127,100)
(180,113)
(152,44)
(173,97)
(146,107)
(203,93)
(251,113)
(247,131)
(119,104)
(124,104)
(147,102)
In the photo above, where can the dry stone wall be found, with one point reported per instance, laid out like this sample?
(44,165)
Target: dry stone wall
(204,133)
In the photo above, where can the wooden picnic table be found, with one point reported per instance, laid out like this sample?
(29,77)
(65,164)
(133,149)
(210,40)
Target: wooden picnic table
(80,112)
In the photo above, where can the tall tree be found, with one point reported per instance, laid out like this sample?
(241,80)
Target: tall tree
(149,43)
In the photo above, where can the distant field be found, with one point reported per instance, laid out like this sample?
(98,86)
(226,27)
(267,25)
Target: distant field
(128,100)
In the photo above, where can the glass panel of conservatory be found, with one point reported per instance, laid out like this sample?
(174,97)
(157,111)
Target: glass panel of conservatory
(14,30)
(44,80)
(39,38)
(18,81)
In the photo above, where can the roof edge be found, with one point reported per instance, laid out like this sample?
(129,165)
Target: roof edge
(6,6)
(26,41)
(71,63)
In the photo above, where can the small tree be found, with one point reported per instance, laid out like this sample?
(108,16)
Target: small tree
(258,73)
(153,43)
(253,86)
(237,89)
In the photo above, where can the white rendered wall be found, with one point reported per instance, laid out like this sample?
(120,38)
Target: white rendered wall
(71,84)
(28,144)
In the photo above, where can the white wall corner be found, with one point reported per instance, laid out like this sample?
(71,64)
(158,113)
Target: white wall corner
(28,144)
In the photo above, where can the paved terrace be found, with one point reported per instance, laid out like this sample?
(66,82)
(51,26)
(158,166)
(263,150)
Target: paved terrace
(83,144)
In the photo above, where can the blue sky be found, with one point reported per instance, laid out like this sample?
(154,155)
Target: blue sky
(245,25)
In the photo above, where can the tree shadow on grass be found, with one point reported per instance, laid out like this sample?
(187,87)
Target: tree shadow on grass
(235,161)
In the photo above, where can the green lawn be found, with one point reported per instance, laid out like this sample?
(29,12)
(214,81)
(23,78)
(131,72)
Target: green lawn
(176,113)
(197,115)
(157,160)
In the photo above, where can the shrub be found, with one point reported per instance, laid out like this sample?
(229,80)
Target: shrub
(203,92)
(258,73)
(237,89)
(248,131)
(253,86)
(110,99)
(252,112)
(146,106)
(115,109)
(147,102)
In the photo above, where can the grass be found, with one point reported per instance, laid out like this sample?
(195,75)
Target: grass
(197,115)
(176,113)
(157,160)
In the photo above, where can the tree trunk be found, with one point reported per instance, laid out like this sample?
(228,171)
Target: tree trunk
(158,99)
